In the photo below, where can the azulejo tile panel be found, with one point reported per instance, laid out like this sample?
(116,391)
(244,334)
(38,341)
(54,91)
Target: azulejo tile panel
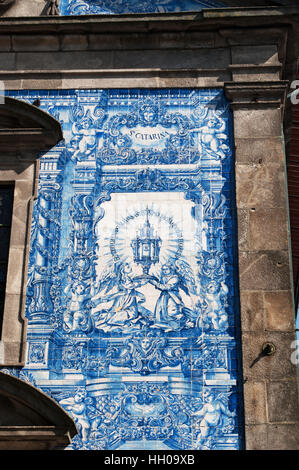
(118,7)
(132,297)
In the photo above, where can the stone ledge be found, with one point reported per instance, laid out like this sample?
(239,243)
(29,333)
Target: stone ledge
(256,94)
(148,22)
(268,55)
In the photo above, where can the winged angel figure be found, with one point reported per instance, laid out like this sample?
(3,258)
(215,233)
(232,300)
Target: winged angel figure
(121,303)
(212,129)
(170,312)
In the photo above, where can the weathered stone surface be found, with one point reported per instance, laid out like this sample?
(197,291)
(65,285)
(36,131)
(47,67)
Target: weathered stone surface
(260,186)
(257,54)
(283,437)
(180,82)
(264,270)
(19,226)
(146,41)
(279,311)
(7,61)
(63,60)
(110,81)
(252,311)
(15,271)
(43,82)
(283,401)
(74,42)
(173,59)
(259,151)
(26,8)
(37,43)
(23,186)
(12,83)
(247,123)
(55,79)
(104,41)
(256,437)
(272,437)
(243,217)
(255,400)
(12,351)
(12,328)
(203,39)
(255,75)
(5,43)
(272,36)
(275,367)
(267,229)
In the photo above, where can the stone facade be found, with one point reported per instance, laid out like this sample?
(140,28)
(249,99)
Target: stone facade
(242,55)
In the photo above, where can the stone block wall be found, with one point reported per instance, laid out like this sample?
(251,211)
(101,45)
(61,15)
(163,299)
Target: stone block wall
(266,285)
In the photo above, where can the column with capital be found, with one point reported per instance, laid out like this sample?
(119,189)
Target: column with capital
(41,305)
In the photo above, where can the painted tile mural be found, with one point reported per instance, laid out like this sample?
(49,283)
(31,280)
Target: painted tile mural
(132,298)
(118,7)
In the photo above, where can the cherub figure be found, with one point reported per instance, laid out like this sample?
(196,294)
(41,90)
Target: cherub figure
(87,132)
(170,311)
(78,407)
(212,136)
(213,305)
(76,316)
(212,415)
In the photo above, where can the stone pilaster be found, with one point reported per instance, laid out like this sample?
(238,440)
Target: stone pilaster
(266,295)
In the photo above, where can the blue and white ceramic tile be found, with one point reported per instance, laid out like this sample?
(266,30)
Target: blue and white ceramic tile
(118,7)
(132,297)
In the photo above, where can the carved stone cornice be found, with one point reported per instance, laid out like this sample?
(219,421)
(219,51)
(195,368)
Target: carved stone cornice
(256,94)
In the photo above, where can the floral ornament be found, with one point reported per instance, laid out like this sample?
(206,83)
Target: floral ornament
(145,354)
(211,265)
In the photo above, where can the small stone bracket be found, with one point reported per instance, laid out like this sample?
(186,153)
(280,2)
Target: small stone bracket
(53,8)
(256,94)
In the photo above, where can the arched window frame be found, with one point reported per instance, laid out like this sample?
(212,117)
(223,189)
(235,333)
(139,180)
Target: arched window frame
(25,133)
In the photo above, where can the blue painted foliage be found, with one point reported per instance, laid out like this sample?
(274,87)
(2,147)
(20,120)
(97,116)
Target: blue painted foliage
(118,7)
(132,297)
